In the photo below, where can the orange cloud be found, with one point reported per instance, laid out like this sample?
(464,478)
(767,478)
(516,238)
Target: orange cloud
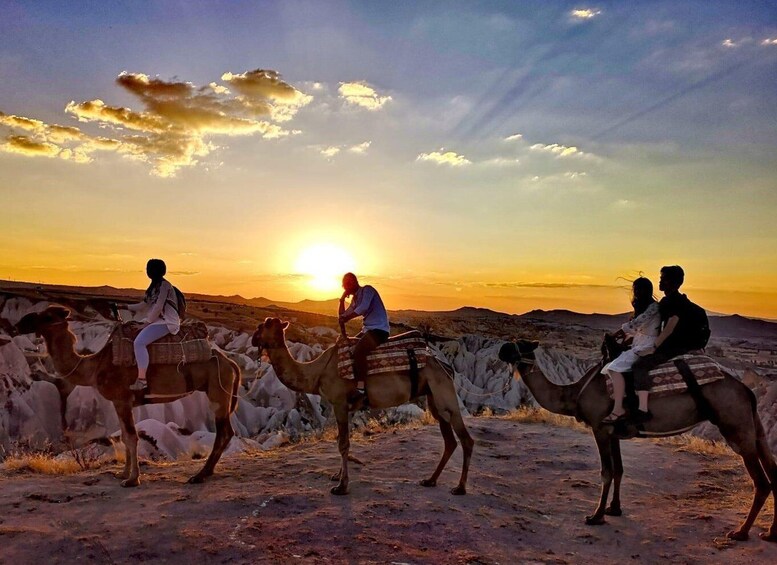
(172,129)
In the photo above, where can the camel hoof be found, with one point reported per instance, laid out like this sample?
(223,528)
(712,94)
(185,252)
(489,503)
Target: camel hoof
(428,483)
(768,536)
(130,482)
(459,490)
(738,535)
(594,520)
(613,511)
(339,490)
(196,479)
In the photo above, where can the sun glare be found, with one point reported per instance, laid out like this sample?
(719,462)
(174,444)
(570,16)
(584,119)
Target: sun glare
(325,265)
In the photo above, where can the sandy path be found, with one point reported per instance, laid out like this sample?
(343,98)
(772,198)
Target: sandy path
(530,486)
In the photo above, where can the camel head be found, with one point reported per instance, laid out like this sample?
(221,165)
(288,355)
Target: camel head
(38,322)
(270,334)
(514,352)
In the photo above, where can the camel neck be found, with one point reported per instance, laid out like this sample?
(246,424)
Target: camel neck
(76,369)
(559,399)
(299,377)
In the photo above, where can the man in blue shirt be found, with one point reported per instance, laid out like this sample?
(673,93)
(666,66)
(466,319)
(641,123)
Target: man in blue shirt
(367,303)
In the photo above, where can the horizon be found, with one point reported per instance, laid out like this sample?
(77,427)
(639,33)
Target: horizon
(501,155)
(273,301)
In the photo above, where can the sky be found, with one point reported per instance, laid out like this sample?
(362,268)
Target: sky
(509,155)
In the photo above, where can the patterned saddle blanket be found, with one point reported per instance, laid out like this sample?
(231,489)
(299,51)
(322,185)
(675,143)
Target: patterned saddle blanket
(189,345)
(392,356)
(667,380)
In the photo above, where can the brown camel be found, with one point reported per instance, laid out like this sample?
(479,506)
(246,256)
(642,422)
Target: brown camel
(321,377)
(218,377)
(731,405)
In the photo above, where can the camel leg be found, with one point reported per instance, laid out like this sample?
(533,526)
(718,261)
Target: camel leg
(745,444)
(224,433)
(344,444)
(444,398)
(129,436)
(769,465)
(614,509)
(604,443)
(448,437)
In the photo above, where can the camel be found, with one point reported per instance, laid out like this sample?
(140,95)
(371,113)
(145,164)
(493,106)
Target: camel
(321,377)
(219,377)
(730,405)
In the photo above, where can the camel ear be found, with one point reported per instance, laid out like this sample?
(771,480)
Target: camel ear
(60,312)
(285,325)
(267,322)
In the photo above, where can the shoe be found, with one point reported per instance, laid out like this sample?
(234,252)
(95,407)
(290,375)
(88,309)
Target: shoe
(640,416)
(614,418)
(140,384)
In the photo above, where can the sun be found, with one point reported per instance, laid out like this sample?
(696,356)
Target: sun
(324,264)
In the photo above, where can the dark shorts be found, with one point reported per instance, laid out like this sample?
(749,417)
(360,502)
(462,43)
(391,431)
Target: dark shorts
(369,341)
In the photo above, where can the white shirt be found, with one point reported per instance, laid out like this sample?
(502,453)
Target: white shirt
(161,311)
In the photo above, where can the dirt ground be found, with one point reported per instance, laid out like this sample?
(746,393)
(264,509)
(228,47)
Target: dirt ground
(530,487)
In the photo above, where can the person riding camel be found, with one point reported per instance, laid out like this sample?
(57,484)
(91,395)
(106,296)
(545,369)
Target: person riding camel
(366,302)
(684,328)
(643,328)
(161,316)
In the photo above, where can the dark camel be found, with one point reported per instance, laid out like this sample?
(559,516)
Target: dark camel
(218,377)
(733,409)
(320,376)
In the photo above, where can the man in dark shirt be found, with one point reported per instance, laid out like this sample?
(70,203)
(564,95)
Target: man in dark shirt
(673,339)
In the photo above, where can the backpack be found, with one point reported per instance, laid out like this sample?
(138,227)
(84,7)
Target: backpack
(180,305)
(698,328)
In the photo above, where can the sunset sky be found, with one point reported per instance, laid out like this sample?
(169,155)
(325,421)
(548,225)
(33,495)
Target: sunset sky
(510,155)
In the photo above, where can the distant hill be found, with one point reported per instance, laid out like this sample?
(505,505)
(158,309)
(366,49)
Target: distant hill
(734,326)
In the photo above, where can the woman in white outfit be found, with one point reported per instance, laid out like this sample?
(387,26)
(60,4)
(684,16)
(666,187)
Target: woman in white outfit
(161,318)
(644,327)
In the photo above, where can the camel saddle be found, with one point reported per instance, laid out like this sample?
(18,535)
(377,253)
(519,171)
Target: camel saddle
(189,345)
(668,380)
(403,352)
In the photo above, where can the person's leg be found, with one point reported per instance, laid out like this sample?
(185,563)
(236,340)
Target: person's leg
(146,336)
(643,381)
(618,392)
(368,342)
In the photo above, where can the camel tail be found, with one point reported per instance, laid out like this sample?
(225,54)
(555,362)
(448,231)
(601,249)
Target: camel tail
(235,385)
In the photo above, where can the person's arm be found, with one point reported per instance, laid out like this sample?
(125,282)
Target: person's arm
(136,307)
(358,307)
(158,307)
(671,324)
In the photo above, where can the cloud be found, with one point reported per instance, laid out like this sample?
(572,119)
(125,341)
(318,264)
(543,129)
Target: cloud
(728,43)
(175,126)
(769,41)
(362,94)
(330,151)
(24,145)
(514,137)
(448,158)
(501,162)
(556,149)
(573,175)
(583,14)
(361,148)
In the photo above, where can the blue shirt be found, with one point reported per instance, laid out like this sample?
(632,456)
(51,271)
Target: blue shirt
(367,302)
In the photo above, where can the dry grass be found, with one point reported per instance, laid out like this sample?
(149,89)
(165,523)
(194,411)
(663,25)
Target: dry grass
(43,461)
(531,415)
(694,444)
